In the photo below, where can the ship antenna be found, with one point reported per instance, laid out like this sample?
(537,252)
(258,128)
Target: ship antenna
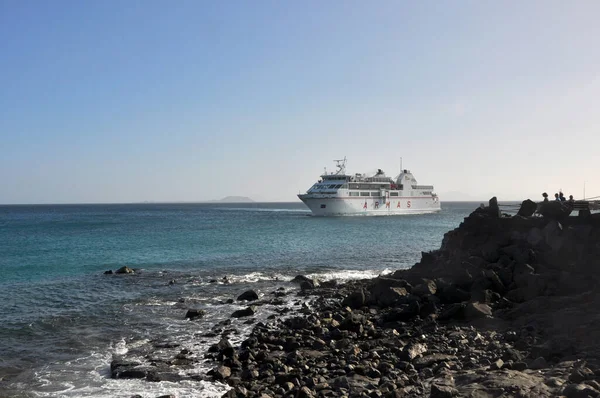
(400,164)
(341,166)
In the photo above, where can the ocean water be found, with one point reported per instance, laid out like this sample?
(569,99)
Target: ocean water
(62,319)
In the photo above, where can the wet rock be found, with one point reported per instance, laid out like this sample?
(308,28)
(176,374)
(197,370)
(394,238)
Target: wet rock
(248,295)
(195,313)
(109,272)
(158,376)
(299,279)
(124,270)
(250,311)
(330,284)
(224,348)
(121,368)
(307,285)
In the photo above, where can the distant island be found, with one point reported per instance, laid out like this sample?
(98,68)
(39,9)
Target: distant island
(234,199)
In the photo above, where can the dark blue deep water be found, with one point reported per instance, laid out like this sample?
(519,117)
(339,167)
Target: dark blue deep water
(62,319)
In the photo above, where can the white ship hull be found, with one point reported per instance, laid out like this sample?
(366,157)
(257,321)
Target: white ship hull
(335,206)
(340,194)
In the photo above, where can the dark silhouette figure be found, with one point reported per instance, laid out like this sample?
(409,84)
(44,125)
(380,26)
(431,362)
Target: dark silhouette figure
(556,197)
(545,195)
(561,197)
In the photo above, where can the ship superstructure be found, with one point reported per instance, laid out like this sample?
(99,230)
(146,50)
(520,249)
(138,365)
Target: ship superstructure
(338,193)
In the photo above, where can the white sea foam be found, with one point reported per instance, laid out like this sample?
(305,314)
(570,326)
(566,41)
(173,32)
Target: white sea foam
(90,376)
(346,275)
(259,277)
(120,347)
(109,388)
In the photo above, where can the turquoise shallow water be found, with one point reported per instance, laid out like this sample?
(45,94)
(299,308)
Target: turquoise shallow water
(61,319)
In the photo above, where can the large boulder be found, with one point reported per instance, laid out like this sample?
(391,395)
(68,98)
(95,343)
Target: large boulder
(307,285)
(221,373)
(528,207)
(493,208)
(355,300)
(428,287)
(452,294)
(195,313)
(477,310)
(403,313)
(305,282)
(387,292)
(248,295)
(555,210)
(124,270)
(390,296)
(245,312)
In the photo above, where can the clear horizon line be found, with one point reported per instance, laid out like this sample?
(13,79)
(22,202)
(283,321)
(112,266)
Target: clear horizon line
(203,202)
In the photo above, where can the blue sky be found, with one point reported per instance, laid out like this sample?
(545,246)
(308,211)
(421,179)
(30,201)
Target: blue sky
(127,101)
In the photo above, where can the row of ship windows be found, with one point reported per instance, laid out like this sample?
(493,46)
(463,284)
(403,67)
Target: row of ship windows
(370,194)
(378,194)
(352,186)
(327,186)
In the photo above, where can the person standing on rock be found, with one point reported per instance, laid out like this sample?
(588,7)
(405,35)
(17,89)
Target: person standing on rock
(556,198)
(545,195)
(561,196)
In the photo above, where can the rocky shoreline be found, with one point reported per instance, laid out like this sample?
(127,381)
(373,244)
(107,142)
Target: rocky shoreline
(507,307)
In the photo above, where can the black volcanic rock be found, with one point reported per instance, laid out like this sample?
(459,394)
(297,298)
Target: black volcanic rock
(248,295)
(493,209)
(195,313)
(245,312)
(507,306)
(555,210)
(528,207)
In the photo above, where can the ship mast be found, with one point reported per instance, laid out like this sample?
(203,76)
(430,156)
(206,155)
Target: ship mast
(340,164)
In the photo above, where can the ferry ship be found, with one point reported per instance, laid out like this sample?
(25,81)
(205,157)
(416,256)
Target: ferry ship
(339,194)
